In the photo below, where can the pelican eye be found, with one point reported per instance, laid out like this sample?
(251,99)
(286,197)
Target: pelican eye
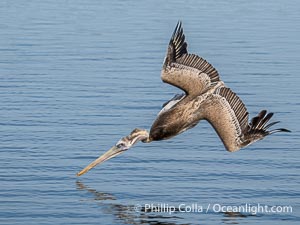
(120,145)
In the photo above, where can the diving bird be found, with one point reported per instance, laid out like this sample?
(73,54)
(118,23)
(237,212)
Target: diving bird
(205,97)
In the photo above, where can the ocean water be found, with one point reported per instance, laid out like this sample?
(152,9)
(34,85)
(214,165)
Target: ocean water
(76,76)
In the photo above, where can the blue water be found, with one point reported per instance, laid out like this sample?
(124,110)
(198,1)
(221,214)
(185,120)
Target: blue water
(76,76)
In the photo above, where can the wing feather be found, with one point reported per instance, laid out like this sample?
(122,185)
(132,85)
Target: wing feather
(238,110)
(189,72)
(226,112)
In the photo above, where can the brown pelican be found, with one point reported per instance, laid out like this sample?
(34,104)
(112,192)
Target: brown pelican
(206,98)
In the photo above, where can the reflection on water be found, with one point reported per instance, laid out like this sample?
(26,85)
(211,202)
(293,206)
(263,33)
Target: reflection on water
(234,217)
(127,214)
(130,214)
(101,196)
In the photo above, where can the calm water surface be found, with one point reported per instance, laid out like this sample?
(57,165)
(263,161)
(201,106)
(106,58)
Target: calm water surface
(78,75)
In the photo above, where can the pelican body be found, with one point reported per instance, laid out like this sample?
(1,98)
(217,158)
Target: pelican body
(205,97)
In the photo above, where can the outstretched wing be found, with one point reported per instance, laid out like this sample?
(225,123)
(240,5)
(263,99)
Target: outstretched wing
(225,111)
(189,72)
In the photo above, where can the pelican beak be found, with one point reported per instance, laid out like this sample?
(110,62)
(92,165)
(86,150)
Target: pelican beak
(114,151)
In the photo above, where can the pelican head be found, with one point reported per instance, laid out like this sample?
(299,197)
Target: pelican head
(121,146)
